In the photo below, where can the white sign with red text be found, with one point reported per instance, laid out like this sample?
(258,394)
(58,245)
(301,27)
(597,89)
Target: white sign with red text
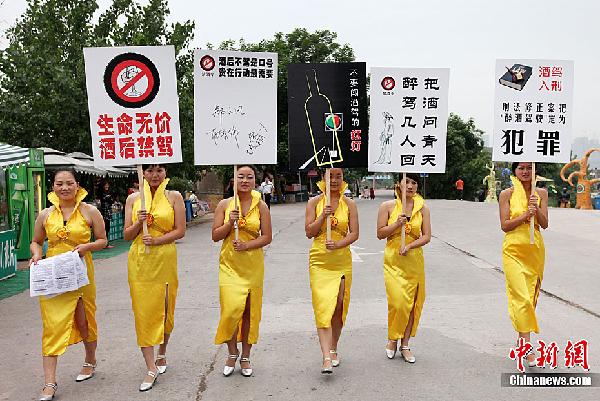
(133,105)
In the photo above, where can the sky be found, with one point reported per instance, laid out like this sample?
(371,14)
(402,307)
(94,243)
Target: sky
(465,35)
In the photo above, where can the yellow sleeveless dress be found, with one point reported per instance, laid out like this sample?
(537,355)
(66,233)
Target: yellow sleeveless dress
(153,276)
(523,265)
(404,275)
(241,275)
(59,328)
(326,268)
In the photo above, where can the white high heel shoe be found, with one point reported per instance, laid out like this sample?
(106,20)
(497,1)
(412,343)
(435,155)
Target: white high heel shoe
(334,362)
(81,377)
(391,353)
(531,364)
(53,386)
(327,370)
(246,372)
(411,359)
(145,386)
(161,368)
(228,370)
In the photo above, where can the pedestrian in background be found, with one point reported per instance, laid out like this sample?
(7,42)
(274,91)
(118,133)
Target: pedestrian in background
(241,268)
(330,263)
(460,185)
(152,265)
(70,317)
(404,268)
(266,188)
(522,262)
(564,198)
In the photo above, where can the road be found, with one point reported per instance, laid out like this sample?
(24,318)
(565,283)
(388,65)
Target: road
(461,345)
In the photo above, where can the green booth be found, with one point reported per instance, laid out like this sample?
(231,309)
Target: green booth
(22,198)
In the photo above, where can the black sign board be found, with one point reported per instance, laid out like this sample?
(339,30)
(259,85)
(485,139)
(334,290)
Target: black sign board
(327,115)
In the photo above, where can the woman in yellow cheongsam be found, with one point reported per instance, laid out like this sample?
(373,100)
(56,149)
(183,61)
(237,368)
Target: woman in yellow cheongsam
(523,262)
(241,268)
(70,317)
(404,268)
(330,263)
(152,265)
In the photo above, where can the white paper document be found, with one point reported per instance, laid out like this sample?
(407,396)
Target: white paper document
(57,274)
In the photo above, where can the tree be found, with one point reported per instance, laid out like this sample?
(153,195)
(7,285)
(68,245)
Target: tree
(465,158)
(43,99)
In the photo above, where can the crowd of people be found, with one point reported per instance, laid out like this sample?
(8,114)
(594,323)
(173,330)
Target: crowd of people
(243,225)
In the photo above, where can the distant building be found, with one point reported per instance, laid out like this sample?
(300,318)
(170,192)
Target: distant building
(581,145)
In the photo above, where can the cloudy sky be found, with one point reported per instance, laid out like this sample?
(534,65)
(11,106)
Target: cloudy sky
(465,35)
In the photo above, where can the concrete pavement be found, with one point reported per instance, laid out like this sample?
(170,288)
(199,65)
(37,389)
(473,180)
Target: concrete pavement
(461,346)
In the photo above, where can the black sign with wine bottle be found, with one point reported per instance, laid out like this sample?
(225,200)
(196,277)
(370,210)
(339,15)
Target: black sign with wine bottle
(327,115)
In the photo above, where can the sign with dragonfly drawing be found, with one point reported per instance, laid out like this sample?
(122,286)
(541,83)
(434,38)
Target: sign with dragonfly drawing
(409,114)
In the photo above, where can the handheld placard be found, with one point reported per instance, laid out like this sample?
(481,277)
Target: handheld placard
(235,202)
(403,232)
(532,218)
(143,202)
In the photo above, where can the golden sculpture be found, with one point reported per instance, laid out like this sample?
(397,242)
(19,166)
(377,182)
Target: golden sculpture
(584,185)
(491,184)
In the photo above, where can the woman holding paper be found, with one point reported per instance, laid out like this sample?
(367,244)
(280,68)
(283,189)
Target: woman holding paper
(330,262)
(152,265)
(523,262)
(404,267)
(70,317)
(241,267)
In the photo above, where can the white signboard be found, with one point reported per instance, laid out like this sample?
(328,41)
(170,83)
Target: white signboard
(533,110)
(235,107)
(133,104)
(408,120)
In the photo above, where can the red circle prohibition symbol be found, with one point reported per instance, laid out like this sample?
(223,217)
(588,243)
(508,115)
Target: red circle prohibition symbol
(388,83)
(142,72)
(207,63)
(131,80)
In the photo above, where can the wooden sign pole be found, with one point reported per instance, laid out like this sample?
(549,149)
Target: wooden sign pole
(532,219)
(403,189)
(143,201)
(328,200)
(235,201)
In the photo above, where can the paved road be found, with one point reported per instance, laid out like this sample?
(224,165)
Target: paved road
(461,345)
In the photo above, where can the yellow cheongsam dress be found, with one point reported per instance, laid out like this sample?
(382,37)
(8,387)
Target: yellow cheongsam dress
(404,276)
(326,268)
(241,275)
(59,328)
(152,276)
(523,264)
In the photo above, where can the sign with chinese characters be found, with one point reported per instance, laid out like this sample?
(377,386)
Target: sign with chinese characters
(533,110)
(133,105)
(408,120)
(235,107)
(327,115)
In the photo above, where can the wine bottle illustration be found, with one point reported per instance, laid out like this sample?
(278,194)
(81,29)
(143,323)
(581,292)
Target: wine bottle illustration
(323,124)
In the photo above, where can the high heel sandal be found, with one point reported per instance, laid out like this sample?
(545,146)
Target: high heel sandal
(334,362)
(145,386)
(531,364)
(411,359)
(327,370)
(45,397)
(391,353)
(81,377)
(228,370)
(161,368)
(246,372)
